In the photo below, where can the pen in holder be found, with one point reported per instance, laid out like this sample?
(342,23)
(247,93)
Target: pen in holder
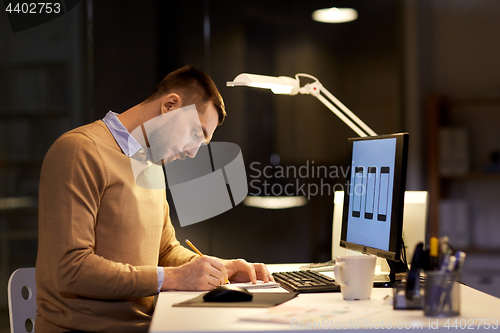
(442,294)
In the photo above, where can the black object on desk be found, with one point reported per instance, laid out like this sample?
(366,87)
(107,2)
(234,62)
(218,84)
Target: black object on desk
(306,282)
(228,293)
(259,300)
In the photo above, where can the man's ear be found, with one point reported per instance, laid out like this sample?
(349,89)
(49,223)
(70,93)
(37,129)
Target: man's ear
(170,102)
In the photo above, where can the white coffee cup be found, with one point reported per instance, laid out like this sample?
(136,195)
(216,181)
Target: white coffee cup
(355,274)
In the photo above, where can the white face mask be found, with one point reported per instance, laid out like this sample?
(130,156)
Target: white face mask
(199,186)
(174,135)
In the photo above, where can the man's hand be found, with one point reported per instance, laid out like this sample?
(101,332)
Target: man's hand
(239,270)
(204,273)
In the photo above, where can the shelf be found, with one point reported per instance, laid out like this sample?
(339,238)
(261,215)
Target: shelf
(26,211)
(443,111)
(32,162)
(14,115)
(22,235)
(477,250)
(12,65)
(477,102)
(473,176)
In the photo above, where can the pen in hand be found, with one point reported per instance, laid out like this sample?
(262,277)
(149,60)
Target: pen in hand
(188,242)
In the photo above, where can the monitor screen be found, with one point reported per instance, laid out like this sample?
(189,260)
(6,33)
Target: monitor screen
(374,198)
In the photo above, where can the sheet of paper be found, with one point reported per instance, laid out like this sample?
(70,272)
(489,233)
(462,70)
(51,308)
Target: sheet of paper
(289,314)
(259,285)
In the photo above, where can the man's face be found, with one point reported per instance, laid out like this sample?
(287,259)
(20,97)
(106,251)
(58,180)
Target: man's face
(179,133)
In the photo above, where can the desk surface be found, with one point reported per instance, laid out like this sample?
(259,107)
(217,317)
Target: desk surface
(478,310)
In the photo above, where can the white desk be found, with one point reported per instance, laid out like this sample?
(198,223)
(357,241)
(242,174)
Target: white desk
(475,306)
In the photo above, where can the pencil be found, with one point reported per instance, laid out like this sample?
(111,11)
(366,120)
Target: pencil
(194,247)
(198,252)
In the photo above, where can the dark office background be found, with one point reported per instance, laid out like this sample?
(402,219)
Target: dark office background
(263,37)
(108,55)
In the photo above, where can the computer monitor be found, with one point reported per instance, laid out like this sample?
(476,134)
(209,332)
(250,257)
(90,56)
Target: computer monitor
(372,219)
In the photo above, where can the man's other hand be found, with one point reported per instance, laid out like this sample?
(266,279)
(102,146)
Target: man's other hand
(239,270)
(204,273)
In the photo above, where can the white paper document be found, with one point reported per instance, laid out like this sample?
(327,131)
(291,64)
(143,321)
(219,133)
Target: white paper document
(288,314)
(259,285)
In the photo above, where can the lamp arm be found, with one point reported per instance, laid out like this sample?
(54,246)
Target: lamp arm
(348,117)
(348,112)
(342,117)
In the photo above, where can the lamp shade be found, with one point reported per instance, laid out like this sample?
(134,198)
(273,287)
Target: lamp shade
(278,85)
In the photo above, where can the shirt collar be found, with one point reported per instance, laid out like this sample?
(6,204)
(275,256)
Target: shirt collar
(125,140)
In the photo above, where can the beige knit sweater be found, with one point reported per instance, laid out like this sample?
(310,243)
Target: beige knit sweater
(101,238)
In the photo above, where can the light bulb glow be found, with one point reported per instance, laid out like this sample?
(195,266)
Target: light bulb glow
(274,202)
(275,88)
(335,15)
(278,85)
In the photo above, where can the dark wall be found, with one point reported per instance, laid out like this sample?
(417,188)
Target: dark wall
(125,42)
(359,62)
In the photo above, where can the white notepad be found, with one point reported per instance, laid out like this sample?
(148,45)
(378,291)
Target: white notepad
(259,285)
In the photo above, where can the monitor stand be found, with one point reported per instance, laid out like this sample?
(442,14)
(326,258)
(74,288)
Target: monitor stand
(397,274)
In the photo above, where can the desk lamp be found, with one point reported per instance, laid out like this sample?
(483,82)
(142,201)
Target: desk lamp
(290,86)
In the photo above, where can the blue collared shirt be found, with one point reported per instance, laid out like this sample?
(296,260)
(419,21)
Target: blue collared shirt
(129,146)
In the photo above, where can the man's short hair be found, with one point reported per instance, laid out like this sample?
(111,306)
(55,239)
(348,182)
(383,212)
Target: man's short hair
(194,86)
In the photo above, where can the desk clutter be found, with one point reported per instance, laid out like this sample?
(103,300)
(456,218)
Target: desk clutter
(321,312)
(431,284)
(433,280)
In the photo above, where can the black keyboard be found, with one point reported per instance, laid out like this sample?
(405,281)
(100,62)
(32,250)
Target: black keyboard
(306,282)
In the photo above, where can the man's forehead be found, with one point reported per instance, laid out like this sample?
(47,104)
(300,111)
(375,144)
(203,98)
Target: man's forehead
(209,120)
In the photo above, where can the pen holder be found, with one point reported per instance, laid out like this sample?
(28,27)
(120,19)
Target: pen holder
(400,302)
(442,294)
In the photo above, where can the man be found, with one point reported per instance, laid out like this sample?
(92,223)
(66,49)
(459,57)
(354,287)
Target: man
(106,244)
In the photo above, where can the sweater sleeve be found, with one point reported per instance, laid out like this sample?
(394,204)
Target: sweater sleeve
(172,253)
(72,182)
